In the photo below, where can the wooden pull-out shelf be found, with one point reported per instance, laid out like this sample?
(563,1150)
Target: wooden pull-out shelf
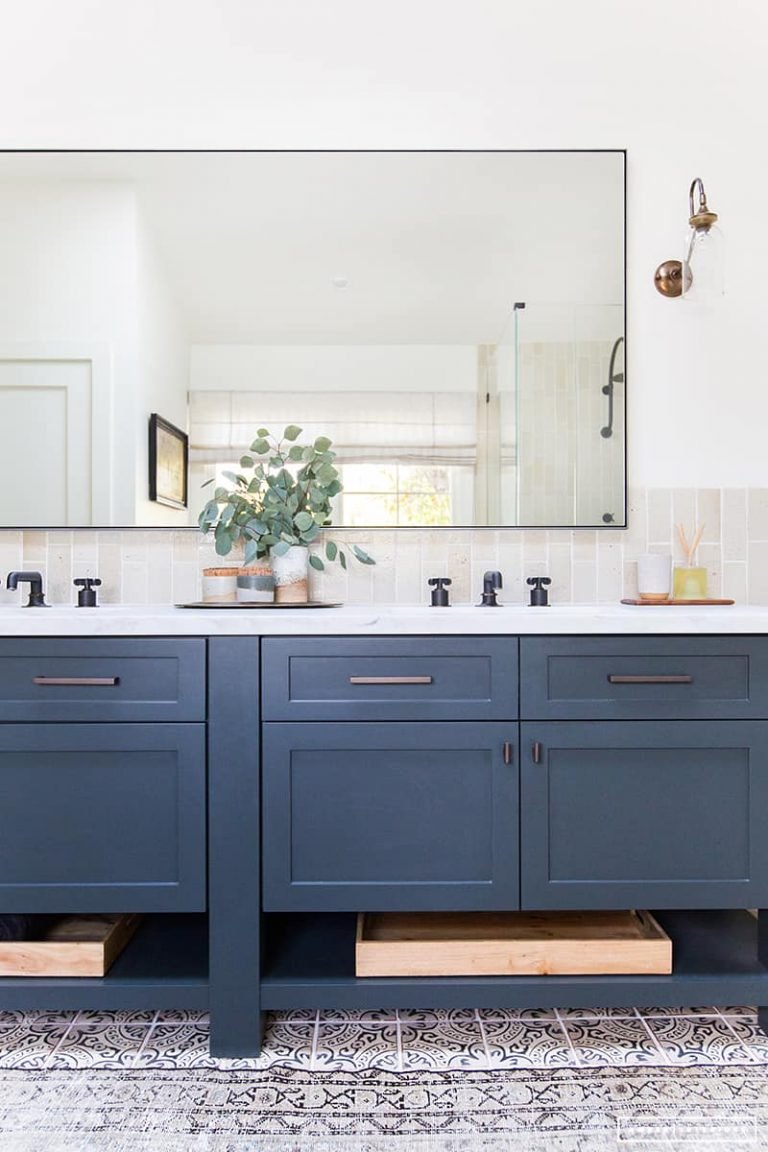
(70,946)
(510,944)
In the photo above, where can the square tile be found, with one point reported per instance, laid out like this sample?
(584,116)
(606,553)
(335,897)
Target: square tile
(613,1042)
(699,1040)
(176,1045)
(114,1045)
(450,1045)
(355,1045)
(527,1044)
(751,1039)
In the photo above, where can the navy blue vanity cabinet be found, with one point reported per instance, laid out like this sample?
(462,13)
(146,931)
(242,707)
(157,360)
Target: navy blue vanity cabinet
(386,816)
(641,814)
(102,817)
(644,771)
(103,798)
(391,780)
(390,774)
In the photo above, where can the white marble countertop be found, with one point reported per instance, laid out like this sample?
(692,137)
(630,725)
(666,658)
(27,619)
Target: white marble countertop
(381,619)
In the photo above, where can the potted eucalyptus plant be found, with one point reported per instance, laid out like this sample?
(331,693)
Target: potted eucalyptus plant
(276,507)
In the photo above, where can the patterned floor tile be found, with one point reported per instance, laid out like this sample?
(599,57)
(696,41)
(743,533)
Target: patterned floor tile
(678,1011)
(527,1044)
(738,1011)
(698,1040)
(114,1045)
(410,1040)
(89,1016)
(594,1014)
(517,1013)
(750,1037)
(175,1045)
(448,1044)
(613,1042)
(356,1044)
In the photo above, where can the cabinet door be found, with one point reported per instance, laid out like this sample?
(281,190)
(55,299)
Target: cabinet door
(656,815)
(390,816)
(102,817)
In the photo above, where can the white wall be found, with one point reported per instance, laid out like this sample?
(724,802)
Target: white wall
(162,372)
(67,280)
(679,84)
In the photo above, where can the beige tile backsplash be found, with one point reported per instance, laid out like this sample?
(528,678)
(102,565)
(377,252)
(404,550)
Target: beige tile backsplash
(163,567)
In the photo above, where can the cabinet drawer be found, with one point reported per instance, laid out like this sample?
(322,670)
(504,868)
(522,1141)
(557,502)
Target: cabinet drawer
(666,814)
(102,817)
(409,678)
(636,678)
(389,816)
(73,680)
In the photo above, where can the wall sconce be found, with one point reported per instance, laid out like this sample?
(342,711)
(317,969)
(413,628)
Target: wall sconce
(700,275)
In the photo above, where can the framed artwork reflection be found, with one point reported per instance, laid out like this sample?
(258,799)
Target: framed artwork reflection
(168,462)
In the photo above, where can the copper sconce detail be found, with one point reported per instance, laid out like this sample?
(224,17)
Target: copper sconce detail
(675,277)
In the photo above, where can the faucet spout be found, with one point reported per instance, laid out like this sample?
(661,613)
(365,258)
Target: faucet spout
(35,581)
(491,583)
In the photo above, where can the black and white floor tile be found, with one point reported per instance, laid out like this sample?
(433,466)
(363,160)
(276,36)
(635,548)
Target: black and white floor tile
(394,1041)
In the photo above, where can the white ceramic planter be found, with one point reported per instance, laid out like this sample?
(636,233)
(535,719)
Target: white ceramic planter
(291,575)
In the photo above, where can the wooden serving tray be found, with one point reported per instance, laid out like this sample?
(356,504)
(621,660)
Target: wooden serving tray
(70,946)
(256,604)
(510,944)
(673,603)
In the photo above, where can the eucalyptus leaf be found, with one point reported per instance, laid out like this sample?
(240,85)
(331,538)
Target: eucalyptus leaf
(269,507)
(316,562)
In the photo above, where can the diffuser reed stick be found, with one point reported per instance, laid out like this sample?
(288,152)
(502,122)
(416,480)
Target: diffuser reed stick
(689,550)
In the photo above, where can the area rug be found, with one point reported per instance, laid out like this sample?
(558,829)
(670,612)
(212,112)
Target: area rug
(292,1110)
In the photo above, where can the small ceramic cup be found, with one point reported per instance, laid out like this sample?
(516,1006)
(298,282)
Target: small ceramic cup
(654,576)
(219,585)
(256,586)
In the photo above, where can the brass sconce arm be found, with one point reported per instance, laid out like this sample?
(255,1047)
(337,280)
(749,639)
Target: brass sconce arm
(673,277)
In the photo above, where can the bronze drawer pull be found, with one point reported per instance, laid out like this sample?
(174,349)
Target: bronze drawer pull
(507,751)
(650,679)
(76,681)
(390,679)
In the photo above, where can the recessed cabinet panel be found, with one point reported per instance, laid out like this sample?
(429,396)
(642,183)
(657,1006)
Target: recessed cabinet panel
(98,680)
(102,818)
(377,816)
(638,677)
(644,815)
(409,678)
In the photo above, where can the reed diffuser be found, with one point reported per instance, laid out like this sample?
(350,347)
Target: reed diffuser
(689,582)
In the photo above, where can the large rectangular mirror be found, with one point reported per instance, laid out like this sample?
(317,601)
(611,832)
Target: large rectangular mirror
(454,321)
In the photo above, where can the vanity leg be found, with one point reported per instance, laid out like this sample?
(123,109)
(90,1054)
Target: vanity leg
(762,955)
(234,882)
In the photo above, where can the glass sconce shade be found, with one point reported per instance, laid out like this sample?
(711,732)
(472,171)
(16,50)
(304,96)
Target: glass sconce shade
(704,257)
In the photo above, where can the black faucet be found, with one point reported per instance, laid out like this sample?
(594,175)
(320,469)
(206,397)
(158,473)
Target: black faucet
(35,581)
(491,582)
